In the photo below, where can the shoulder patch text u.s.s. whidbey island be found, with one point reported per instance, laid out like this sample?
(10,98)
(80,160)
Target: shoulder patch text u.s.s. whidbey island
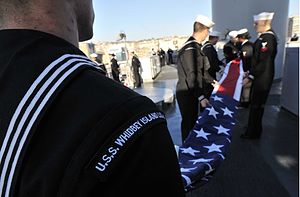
(112,150)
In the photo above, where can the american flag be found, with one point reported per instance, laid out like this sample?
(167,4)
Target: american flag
(205,148)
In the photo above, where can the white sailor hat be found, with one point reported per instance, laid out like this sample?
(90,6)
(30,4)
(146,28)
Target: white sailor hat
(204,21)
(233,34)
(263,16)
(94,55)
(242,31)
(214,33)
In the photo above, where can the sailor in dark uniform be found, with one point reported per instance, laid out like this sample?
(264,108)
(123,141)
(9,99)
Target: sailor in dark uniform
(246,54)
(136,67)
(214,62)
(162,57)
(262,73)
(230,49)
(210,51)
(115,68)
(245,48)
(170,56)
(66,129)
(191,65)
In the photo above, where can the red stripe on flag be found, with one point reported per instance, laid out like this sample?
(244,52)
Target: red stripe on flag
(229,84)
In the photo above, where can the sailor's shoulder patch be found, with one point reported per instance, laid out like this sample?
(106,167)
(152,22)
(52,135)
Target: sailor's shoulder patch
(110,153)
(264,47)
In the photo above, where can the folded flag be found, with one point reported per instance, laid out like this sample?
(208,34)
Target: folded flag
(207,144)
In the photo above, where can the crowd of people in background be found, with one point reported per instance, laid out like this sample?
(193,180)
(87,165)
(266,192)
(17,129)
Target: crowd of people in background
(165,58)
(238,46)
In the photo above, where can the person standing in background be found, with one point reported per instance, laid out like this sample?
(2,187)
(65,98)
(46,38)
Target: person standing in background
(115,68)
(170,56)
(136,67)
(162,57)
(246,54)
(261,73)
(230,49)
(210,52)
(153,53)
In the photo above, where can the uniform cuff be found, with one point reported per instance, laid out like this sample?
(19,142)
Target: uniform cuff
(251,77)
(200,98)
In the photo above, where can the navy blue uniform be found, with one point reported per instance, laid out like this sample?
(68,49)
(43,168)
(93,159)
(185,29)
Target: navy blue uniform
(230,51)
(212,55)
(115,69)
(214,65)
(136,66)
(192,67)
(67,130)
(246,54)
(262,74)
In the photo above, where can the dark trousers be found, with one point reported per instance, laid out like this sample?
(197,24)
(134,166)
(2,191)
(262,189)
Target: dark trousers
(137,78)
(188,106)
(257,107)
(255,121)
(170,59)
(115,76)
(163,61)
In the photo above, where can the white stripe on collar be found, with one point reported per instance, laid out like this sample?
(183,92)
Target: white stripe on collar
(81,60)
(206,44)
(188,42)
(268,32)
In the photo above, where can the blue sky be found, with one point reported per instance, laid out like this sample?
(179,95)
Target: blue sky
(141,19)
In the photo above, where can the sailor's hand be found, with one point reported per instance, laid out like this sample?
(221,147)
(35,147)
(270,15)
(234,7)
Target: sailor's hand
(215,83)
(245,75)
(246,81)
(204,103)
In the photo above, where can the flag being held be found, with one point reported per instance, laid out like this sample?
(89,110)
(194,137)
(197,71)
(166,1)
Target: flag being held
(207,144)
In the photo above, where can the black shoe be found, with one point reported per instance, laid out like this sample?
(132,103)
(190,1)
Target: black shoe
(248,137)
